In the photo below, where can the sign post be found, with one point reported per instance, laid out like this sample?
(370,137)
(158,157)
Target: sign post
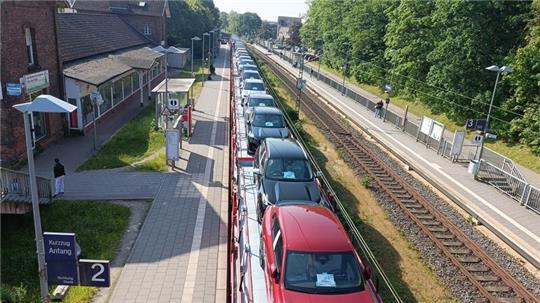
(97,100)
(95,273)
(61,258)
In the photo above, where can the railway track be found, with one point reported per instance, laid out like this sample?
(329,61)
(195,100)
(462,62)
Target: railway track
(491,281)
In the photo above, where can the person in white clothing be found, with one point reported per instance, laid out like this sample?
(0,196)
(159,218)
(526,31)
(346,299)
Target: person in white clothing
(59,174)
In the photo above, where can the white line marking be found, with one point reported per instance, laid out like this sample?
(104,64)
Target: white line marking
(191,276)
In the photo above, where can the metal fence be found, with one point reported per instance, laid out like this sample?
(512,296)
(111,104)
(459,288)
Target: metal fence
(494,166)
(15,186)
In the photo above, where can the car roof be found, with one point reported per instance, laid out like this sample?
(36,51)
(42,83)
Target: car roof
(250,71)
(267,110)
(250,65)
(312,228)
(254,81)
(261,96)
(284,148)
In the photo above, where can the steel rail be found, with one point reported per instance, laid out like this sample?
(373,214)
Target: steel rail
(464,253)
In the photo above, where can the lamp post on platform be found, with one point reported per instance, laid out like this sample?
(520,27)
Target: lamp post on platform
(192,51)
(203,56)
(498,70)
(347,46)
(43,104)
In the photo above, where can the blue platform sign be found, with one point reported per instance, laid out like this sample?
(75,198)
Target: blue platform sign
(60,246)
(62,272)
(95,273)
(13,89)
(476,124)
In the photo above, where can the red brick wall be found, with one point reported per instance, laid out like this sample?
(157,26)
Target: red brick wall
(39,15)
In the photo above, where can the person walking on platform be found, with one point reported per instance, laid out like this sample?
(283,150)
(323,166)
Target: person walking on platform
(59,174)
(378,108)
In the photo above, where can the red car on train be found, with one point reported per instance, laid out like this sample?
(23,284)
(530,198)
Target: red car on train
(307,256)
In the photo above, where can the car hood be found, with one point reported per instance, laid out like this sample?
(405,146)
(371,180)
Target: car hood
(269,132)
(278,190)
(298,297)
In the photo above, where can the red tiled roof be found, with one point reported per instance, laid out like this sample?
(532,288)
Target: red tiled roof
(86,35)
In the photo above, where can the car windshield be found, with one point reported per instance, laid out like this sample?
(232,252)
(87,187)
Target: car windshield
(322,273)
(268,120)
(251,75)
(254,86)
(261,102)
(288,169)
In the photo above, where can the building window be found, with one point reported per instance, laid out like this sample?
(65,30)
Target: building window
(105,91)
(87,110)
(147,30)
(38,123)
(30,46)
(127,86)
(117,91)
(135,81)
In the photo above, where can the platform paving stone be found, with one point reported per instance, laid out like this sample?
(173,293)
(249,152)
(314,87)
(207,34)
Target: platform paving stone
(179,253)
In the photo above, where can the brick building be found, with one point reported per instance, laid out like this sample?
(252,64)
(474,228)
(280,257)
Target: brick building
(30,63)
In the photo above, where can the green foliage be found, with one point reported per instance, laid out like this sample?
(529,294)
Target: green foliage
(191,18)
(294,34)
(268,31)
(366,181)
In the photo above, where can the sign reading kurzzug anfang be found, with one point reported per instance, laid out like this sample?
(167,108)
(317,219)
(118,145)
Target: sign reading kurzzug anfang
(36,81)
(61,258)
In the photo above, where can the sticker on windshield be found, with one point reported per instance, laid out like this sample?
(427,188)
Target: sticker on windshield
(262,104)
(325,280)
(269,124)
(288,175)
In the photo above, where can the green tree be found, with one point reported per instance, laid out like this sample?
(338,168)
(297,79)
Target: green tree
(190,18)
(234,22)
(268,30)
(224,20)
(294,34)
(409,39)
(525,87)
(469,37)
(249,24)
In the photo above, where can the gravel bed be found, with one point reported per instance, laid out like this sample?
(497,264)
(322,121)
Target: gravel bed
(439,263)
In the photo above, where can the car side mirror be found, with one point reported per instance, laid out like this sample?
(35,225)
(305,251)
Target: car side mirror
(367,272)
(274,273)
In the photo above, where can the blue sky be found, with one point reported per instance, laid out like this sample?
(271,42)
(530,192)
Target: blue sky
(266,9)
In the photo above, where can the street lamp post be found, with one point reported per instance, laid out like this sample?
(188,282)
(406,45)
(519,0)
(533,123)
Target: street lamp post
(45,104)
(203,63)
(391,88)
(347,46)
(498,70)
(192,51)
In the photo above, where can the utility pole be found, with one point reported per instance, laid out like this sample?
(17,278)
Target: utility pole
(347,46)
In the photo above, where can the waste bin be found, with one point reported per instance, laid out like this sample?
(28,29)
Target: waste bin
(473,168)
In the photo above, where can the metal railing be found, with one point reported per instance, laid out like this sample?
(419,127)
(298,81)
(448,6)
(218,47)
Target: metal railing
(15,186)
(518,189)
(494,164)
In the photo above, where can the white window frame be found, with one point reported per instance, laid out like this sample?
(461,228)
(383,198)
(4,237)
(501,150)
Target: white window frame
(147,30)
(29,45)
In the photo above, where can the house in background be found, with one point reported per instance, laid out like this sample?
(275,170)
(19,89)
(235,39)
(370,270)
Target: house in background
(283,26)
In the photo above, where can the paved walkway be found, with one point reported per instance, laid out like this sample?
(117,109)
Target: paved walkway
(181,252)
(513,223)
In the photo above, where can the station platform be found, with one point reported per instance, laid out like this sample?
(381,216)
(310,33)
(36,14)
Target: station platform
(181,253)
(514,224)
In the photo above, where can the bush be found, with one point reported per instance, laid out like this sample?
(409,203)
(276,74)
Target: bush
(10,294)
(366,181)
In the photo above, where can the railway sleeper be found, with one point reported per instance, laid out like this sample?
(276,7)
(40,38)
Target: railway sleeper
(477,268)
(437,229)
(498,288)
(404,196)
(460,251)
(452,243)
(424,217)
(509,300)
(413,206)
(468,259)
(444,236)
(431,222)
(486,278)
(419,211)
